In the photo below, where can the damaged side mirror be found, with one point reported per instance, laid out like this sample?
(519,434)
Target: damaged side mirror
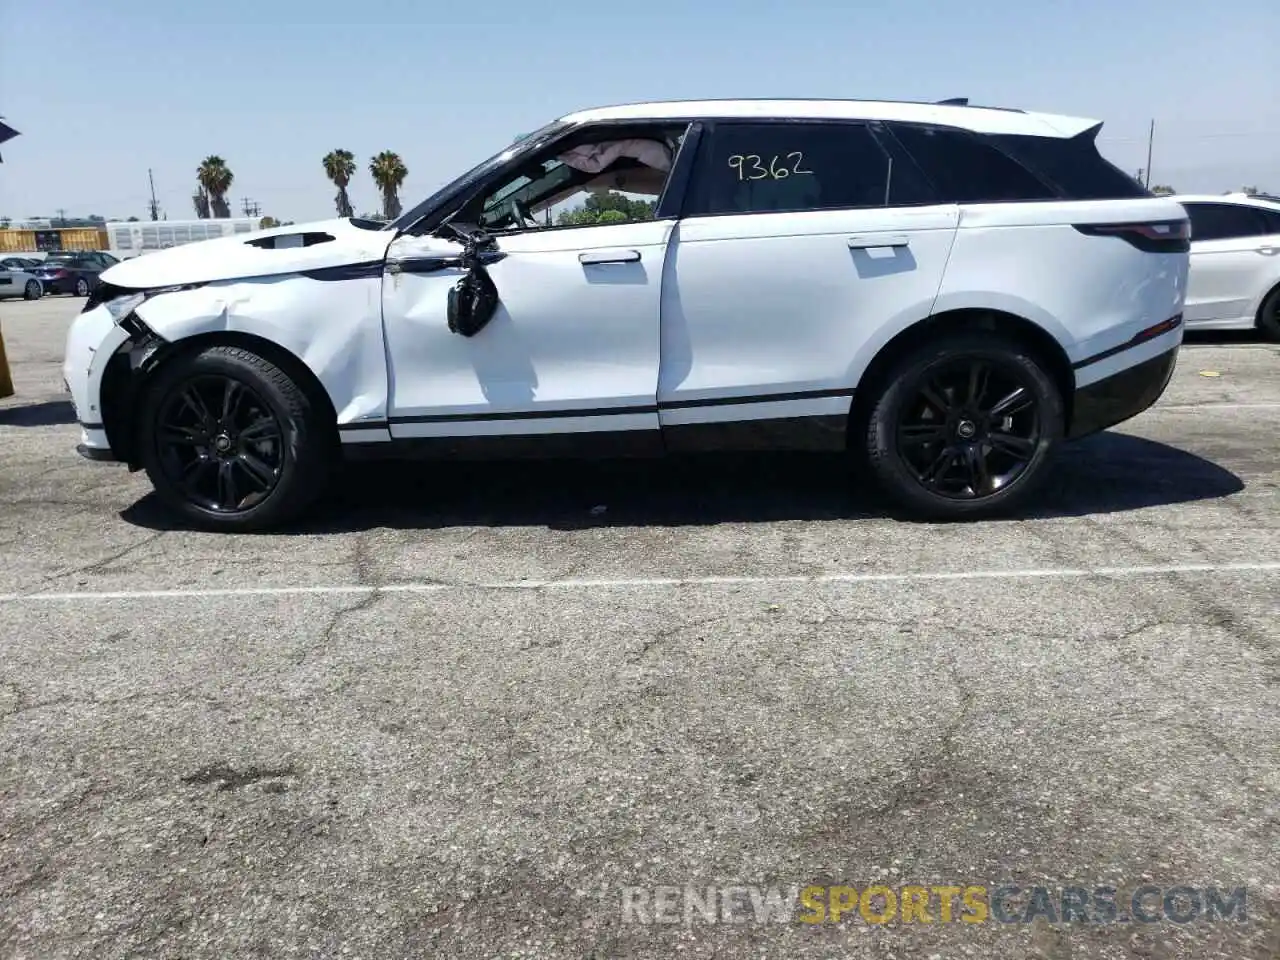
(474,298)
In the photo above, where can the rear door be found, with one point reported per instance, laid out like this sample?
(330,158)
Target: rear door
(800,243)
(1234,253)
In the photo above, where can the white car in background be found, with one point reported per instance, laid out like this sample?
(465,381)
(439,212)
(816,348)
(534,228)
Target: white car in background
(947,291)
(1235,263)
(16,280)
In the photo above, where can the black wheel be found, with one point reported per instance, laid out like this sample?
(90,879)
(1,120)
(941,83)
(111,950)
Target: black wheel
(231,442)
(32,291)
(965,427)
(1269,316)
(82,287)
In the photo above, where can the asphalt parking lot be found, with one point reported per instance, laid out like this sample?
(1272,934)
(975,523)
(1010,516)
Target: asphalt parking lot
(466,706)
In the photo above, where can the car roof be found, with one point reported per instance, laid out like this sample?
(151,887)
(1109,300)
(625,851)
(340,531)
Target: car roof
(994,120)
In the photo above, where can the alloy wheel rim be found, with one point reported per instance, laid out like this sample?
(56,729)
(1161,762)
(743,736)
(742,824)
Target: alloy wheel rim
(970,429)
(33,289)
(220,444)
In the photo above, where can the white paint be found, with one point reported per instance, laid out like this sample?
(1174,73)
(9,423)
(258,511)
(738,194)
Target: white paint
(584,584)
(983,120)
(233,257)
(779,302)
(566,333)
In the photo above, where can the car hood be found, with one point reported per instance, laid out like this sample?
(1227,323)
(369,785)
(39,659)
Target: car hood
(279,250)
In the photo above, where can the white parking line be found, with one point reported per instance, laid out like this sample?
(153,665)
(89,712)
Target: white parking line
(341,589)
(1199,407)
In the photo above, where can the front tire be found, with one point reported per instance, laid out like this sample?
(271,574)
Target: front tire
(32,291)
(965,427)
(231,442)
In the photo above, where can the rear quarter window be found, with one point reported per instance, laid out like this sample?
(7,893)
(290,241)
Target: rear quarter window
(965,168)
(1073,165)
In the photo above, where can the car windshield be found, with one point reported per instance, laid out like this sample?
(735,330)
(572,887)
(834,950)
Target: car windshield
(475,173)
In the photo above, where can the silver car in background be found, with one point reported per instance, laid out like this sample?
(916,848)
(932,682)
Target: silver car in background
(1234,283)
(16,280)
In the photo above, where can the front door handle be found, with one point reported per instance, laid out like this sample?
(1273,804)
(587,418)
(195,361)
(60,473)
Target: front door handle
(1269,250)
(871,243)
(609,256)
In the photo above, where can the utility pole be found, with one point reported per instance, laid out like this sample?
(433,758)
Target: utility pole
(1151,138)
(155,207)
(250,208)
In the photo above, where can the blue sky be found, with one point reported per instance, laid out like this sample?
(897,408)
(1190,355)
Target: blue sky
(102,91)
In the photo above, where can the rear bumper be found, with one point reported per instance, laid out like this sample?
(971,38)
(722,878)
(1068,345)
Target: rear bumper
(1121,396)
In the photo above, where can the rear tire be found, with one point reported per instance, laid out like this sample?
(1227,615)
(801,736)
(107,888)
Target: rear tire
(964,428)
(82,287)
(1269,316)
(232,443)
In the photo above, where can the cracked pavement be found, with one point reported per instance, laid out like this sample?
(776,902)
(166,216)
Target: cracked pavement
(478,771)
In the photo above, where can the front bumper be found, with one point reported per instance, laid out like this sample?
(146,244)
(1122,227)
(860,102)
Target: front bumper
(1121,396)
(92,341)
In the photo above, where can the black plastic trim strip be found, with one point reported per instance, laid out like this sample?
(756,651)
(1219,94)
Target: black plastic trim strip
(98,454)
(92,426)
(346,271)
(524,414)
(760,398)
(1137,340)
(365,425)
(618,411)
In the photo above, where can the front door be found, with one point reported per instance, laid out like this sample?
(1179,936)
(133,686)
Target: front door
(572,348)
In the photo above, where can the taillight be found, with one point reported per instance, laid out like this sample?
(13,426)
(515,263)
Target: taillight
(1151,236)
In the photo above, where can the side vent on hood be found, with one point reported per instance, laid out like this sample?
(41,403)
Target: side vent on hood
(290,240)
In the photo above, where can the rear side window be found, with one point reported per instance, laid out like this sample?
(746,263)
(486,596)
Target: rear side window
(1073,165)
(786,167)
(1225,221)
(963,168)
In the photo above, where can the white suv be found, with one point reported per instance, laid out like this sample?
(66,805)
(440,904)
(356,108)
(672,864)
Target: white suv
(949,290)
(1235,263)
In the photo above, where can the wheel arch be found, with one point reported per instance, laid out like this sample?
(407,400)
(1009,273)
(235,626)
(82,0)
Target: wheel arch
(1044,344)
(123,386)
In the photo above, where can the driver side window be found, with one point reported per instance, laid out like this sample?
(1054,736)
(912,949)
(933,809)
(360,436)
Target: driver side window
(608,174)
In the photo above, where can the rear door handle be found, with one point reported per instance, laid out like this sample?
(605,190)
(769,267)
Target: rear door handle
(1269,250)
(871,243)
(609,256)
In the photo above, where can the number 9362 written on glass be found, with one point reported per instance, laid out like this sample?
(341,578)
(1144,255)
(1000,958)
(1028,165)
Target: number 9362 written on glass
(751,166)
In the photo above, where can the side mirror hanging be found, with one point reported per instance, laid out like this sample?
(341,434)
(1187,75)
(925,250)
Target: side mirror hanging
(474,298)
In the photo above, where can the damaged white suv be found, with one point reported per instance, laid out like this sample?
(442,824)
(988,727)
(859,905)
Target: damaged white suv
(949,290)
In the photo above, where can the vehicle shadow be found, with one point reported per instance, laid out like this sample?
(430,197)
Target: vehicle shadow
(50,413)
(1107,473)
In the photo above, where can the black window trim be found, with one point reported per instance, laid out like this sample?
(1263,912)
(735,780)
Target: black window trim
(893,151)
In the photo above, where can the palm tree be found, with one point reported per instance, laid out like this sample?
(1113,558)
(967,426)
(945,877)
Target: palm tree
(339,165)
(389,172)
(215,178)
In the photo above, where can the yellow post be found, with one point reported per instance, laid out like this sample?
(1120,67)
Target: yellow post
(6,379)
